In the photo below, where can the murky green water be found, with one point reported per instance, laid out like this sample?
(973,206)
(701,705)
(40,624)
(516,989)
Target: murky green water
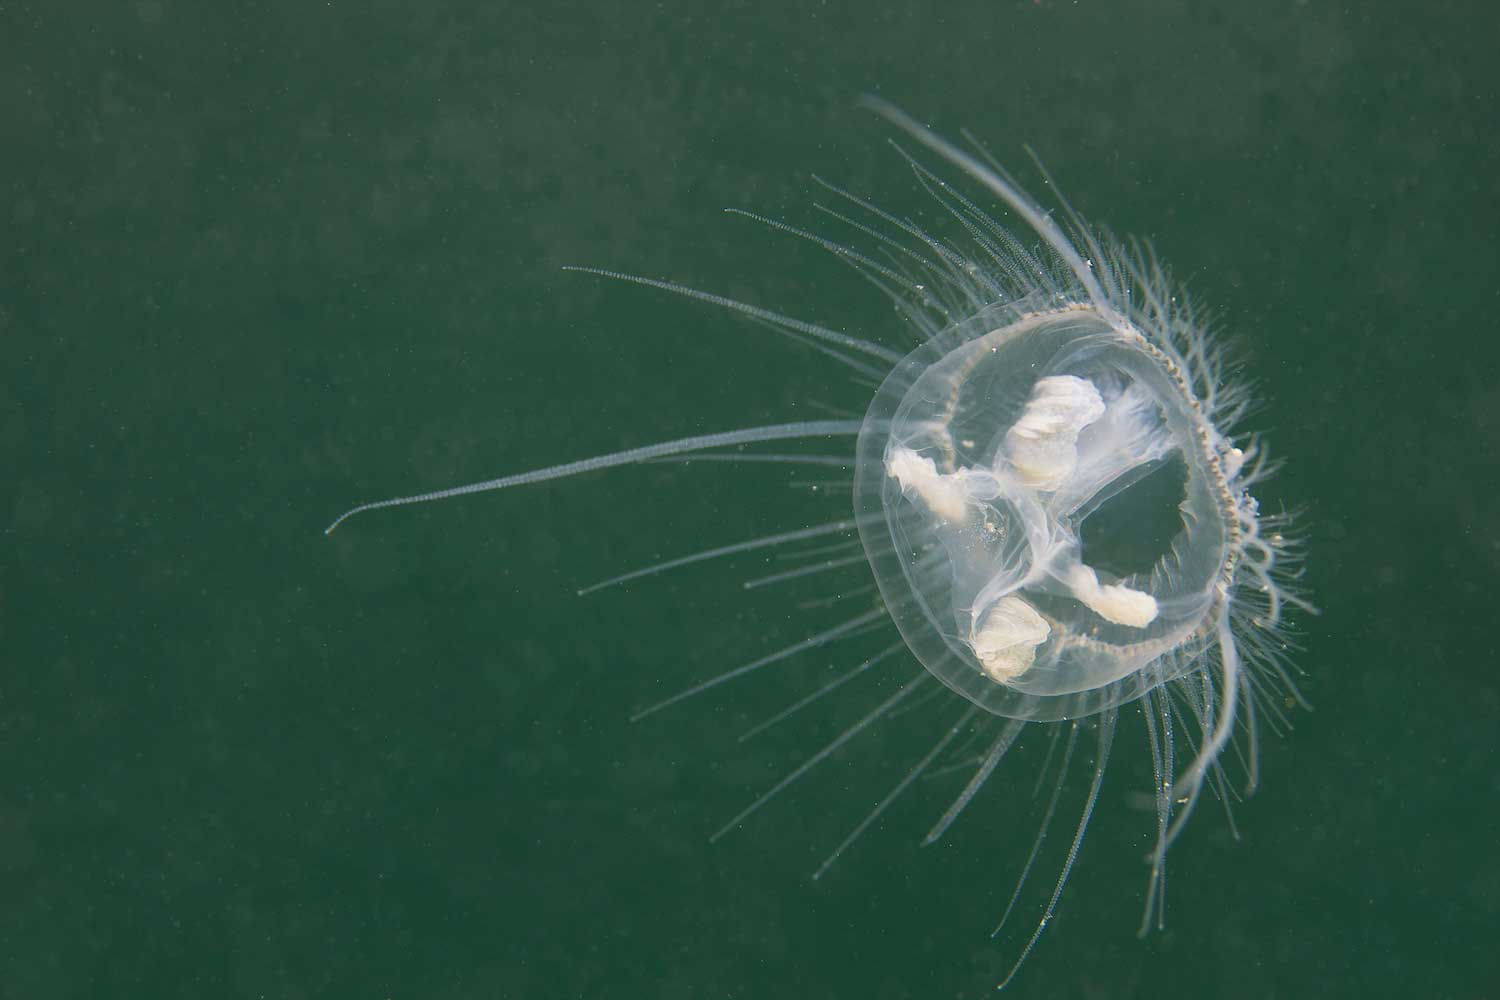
(261,265)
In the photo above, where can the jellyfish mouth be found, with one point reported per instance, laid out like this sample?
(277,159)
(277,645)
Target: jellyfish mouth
(1009,528)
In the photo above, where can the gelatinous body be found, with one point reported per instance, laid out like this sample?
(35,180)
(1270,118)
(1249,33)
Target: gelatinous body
(1051,492)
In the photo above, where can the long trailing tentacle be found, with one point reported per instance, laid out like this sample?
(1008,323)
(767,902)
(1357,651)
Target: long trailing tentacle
(848,628)
(765,541)
(901,694)
(749,435)
(1188,787)
(1043,224)
(774,318)
(992,758)
(901,786)
(1106,741)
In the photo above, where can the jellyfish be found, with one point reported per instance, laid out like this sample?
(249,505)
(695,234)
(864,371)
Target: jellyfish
(1052,495)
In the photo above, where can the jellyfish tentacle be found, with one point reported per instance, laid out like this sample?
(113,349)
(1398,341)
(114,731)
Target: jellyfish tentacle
(630,456)
(901,786)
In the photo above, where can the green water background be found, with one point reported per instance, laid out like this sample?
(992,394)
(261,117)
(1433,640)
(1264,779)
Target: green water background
(263,261)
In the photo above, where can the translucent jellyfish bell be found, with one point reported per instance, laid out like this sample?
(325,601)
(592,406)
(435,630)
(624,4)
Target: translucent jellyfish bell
(982,456)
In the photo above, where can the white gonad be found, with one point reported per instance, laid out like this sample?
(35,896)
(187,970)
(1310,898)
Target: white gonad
(1052,494)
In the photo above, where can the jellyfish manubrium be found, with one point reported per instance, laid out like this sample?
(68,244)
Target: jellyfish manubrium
(1052,493)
